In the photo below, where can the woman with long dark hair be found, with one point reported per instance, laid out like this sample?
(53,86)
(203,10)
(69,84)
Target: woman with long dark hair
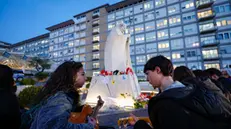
(59,97)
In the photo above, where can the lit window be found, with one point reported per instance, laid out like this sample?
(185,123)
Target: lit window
(96,38)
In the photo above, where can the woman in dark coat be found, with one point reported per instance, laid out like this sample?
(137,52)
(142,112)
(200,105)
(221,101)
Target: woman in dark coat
(9,110)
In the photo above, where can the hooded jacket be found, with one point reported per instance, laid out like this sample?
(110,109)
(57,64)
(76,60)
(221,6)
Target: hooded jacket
(190,107)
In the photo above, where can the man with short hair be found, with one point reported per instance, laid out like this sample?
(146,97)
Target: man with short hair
(181,106)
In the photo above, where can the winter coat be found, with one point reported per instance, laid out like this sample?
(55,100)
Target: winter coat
(54,114)
(9,110)
(190,107)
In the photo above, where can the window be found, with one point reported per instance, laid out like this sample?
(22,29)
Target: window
(83,26)
(178,56)
(161,13)
(224,22)
(222,8)
(205,13)
(188,5)
(82,57)
(225,51)
(166,54)
(71,44)
(71,29)
(176,32)
(163,34)
(161,23)
(208,40)
(119,14)
(210,53)
(96,38)
(174,9)
(139,71)
(151,36)
(151,47)
(226,63)
(96,47)
(193,54)
(82,49)
(133,60)
(111,25)
(111,17)
(175,20)
(140,49)
(138,18)
(95,30)
(172,1)
(139,28)
(192,41)
(159,3)
(139,39)
(81,19)
(138,9)
(224,37)
(163,46)
(190,29)
(82,34)
(149,16)
(148,5)
(149,26)
(132,50)
(194,65)
(189,17)
(95,55)
(82,42)
(128,12)
(96,65)
(206,26)
(96,12)
(149,56)
(177,44)
(212,65)
(140,60)
(131,40)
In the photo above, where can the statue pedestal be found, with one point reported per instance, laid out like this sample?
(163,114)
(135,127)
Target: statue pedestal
(115,90)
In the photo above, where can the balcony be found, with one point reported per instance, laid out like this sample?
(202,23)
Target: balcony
(95,50)
(95,16)
(95,24)
(211,59)
(95,41)
(95,68)
(96,59)
(206,17)
(95,33)
(210,43)
(208,29)
(204,3)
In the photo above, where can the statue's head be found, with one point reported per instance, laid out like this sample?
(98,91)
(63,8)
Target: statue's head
(122,27)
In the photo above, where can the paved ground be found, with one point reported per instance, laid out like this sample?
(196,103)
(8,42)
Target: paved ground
(111,119)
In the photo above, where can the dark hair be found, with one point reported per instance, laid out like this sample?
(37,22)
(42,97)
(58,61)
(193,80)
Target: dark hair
(212,71)
(6,77)
(162,62)
(182,72)
(200,73)
(62,79)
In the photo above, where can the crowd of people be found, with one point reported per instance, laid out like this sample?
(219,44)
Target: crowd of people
(198,99)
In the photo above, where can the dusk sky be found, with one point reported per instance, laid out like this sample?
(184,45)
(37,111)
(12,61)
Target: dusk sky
(24,19)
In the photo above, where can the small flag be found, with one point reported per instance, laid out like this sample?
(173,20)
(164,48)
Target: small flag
(6,54)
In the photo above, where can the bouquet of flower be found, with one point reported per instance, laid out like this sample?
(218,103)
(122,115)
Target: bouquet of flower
(142,101)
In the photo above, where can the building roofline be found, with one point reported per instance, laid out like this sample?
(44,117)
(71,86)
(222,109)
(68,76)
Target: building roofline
(31,40)
(105,5)
(61,25)
(122,4)
(5,43)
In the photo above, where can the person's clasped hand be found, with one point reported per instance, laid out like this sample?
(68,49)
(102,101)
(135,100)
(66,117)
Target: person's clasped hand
(134,119)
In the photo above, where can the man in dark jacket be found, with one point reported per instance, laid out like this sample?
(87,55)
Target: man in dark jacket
(182,106)
(9,110)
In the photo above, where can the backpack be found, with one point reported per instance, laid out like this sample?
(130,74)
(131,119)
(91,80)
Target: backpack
(28,116)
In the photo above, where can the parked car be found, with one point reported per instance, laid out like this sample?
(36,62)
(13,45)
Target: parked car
(18,75)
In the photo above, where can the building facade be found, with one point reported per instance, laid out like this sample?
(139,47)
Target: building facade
(37,46)
(194,33)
